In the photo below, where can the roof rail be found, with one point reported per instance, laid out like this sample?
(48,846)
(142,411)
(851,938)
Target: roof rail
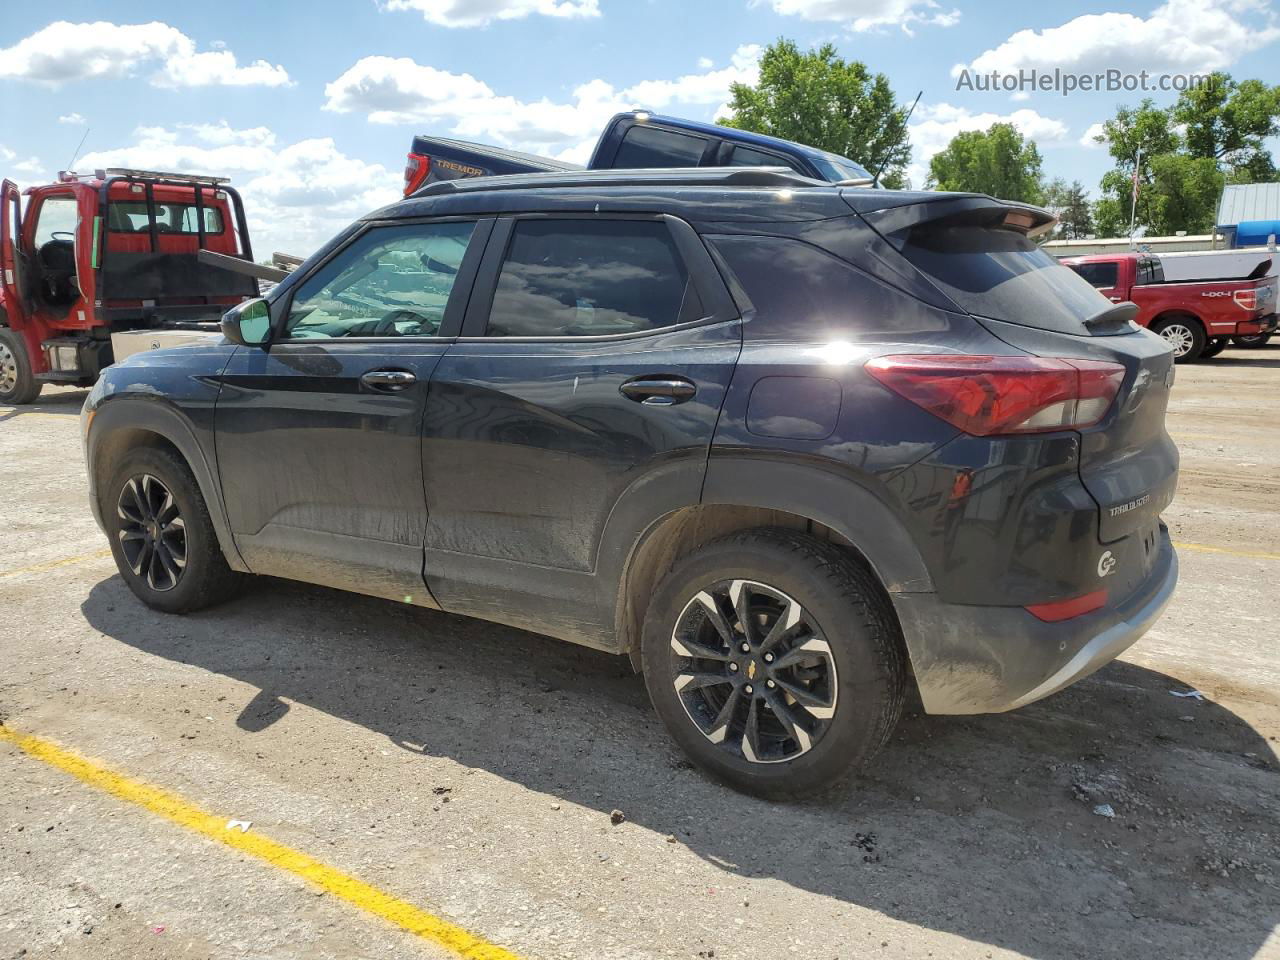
(157,175)
(655,177)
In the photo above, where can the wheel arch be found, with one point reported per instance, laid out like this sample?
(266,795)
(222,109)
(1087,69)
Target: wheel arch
(1179,313)
(132,423)
(748,494)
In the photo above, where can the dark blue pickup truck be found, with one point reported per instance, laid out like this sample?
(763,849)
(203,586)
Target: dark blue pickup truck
(634,140)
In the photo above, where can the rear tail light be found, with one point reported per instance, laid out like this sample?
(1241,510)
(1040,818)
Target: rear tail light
(1246,299)
(984,396)
(1066,609)
(416,170)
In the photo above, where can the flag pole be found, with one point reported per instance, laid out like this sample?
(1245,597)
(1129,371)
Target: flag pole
(1133,207)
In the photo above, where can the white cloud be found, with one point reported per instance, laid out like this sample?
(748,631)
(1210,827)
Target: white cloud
(705,63)
(402,91)
(934,125)
(862,15)
(1086,138)
(62,52)
(296,196)
(1187,35)
(72,118)
(31,166)
(479,13)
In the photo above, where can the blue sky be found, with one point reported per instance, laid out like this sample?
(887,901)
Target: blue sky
(310,106)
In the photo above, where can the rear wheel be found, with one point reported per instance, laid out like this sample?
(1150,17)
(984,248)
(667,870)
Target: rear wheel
(18,384)
(1254,341)
(774,660)
(1214,347)
(162,538)
(1185,335)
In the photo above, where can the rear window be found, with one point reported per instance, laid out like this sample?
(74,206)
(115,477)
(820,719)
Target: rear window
(1000,273)
(836,168)
(170,218)
(646,146)
(1101,276)
(746,157)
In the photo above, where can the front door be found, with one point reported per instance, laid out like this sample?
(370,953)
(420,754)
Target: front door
(318,436)
(584,394)
(10,257)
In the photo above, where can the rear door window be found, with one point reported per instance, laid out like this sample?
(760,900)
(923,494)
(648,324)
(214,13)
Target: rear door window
(1101,276)
(645,146)
(746,157)
(590,278)
(997,272)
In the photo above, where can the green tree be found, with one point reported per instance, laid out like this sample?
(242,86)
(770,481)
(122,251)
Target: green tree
(1070,204)
(819,99)
(1213,134)
(998,161)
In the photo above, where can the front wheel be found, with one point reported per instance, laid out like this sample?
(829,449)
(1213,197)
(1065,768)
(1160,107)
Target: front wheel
(1214,347)
(1185,335)
(1252,341)
(18,384)
(162,538)
(775,661)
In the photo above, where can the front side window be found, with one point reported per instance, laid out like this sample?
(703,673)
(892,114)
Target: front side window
(58,215)
(644,147)
(389,282)
(584,278)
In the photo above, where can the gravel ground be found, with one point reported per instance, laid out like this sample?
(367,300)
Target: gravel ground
(472,769)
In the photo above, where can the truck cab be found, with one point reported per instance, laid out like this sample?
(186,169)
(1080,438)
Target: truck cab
(636,139)
(89,256)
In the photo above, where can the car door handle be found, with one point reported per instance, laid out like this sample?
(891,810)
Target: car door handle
(1116,299)
(388,379)
(658,391)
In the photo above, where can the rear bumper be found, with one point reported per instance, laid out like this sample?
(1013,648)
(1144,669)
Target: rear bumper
(971,659)
(1250,328)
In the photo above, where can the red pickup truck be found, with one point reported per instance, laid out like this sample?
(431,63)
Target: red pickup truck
(1197,317)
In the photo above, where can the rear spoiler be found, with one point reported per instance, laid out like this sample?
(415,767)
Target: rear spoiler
(906,210)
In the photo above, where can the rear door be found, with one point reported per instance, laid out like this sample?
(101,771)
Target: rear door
(318,437)
(1103,277)
(583,397)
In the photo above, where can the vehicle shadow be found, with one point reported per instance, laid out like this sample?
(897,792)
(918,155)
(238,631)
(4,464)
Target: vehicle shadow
(66,402)
(1263,358)
(982,827)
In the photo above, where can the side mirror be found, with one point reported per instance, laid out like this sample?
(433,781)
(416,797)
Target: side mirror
(248,324)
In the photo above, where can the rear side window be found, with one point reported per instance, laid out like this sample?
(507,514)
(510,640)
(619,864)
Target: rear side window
(1000,273)
(1101,276)
(746,157)
(590,278)
(646,146)
(802,293)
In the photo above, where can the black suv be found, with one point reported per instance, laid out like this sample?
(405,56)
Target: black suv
(794,448)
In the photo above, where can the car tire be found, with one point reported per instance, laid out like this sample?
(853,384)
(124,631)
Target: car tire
(18,385)
(1252,341)
(1185,335)
(161,535)
(851,672)
(1214,347)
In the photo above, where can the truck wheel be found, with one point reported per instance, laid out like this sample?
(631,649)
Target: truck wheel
(161,536)
(1214,347)
(1252,342)
(1185,335)
(775,661)
(18,384)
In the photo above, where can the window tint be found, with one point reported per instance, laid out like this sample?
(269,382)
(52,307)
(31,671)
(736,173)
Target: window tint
(390,282)
(586,278)
(746,157)
(646,146)
(57,215)
(836,168)
(1099,275)
(170,218)
(800,292)
(996,272)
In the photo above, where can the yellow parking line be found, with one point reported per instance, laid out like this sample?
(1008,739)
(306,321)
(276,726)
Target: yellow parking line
(54,564)
(1259,554)
(173,808)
